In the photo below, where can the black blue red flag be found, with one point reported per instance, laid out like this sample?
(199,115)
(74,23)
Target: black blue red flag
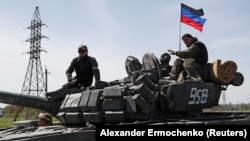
(192,17)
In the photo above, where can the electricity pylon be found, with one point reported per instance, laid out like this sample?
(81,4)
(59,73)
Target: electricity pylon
(34,83)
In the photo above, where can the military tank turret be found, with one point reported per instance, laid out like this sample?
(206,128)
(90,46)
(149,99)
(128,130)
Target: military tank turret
(142,97)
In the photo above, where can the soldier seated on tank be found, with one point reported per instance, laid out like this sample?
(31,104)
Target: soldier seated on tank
(191,60)
(45,119)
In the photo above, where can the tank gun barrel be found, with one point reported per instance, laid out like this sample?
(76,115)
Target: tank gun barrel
(30,101)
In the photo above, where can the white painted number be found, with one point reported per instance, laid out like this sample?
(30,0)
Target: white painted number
(198,96)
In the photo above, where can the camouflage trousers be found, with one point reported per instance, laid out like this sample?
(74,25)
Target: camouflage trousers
(186,69)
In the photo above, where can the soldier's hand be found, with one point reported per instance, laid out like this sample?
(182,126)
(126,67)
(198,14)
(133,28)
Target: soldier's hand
(171,52)
(70,80)
(96,83)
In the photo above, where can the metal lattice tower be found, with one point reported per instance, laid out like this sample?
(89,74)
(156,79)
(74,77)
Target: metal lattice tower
(34,83)
(224,98)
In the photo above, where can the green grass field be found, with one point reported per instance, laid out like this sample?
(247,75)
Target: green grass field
(6,122)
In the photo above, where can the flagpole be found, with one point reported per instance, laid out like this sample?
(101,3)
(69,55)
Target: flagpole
(180,33)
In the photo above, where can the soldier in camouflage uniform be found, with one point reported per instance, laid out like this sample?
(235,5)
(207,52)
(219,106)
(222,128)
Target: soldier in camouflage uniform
(191,60)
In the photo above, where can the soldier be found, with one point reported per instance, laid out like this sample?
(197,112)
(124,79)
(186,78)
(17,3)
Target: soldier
(165,67)
(85,67)
(45,119)
(190,60)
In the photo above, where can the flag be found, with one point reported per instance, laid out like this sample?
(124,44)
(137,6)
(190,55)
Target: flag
(192,17)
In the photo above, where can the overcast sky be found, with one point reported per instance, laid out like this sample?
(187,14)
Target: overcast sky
(115,29)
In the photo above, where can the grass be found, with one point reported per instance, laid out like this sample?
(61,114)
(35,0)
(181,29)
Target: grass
(6,122)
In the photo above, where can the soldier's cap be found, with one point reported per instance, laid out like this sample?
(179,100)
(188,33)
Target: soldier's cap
(82,48)
(45,116)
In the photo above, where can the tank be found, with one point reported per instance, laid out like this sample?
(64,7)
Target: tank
(143,97)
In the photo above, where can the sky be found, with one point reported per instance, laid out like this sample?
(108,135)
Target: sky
(115,29)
